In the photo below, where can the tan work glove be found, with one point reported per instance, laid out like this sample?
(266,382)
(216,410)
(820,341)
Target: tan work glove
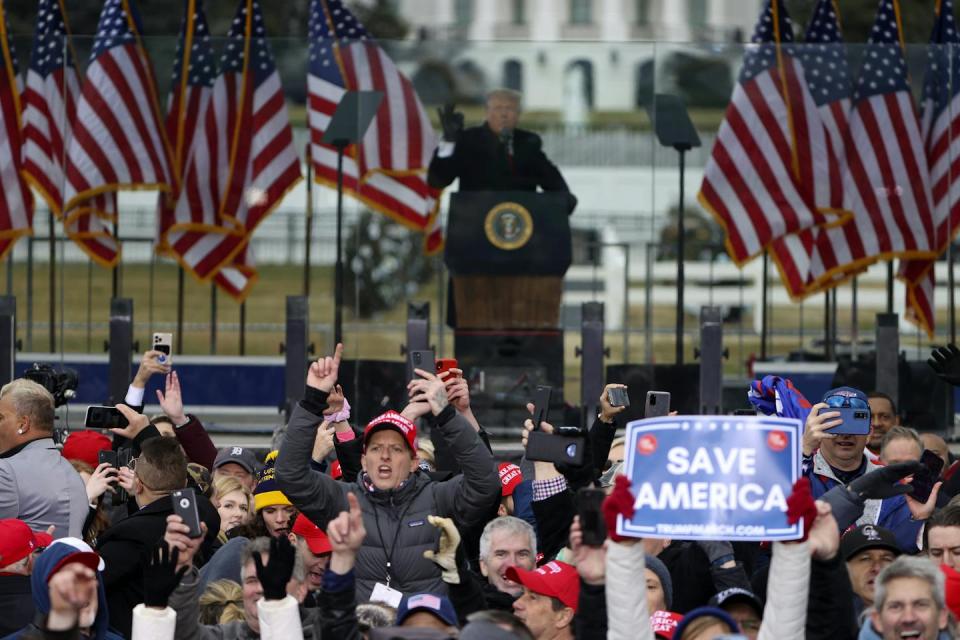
(446,555)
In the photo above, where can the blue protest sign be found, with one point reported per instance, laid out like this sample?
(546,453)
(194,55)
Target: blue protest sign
(712,477)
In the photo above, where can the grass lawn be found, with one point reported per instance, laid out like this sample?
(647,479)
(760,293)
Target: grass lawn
(82,297)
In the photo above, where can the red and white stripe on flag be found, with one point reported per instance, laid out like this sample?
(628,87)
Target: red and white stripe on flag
(49,104)
(117,139)
(940,126)
(887,186)
(772,168)
(241,164)
(90,226)
(387,170)
(16,202)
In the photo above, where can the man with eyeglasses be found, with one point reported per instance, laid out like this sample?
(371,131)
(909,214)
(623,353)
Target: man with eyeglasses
(832,459)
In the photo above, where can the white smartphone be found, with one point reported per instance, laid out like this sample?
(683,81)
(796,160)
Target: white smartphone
(163,342)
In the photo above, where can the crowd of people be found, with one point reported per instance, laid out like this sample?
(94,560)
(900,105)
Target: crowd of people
(410,527)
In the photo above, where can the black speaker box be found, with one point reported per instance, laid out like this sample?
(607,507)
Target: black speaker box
(504,369)
(922,398)
(372,387)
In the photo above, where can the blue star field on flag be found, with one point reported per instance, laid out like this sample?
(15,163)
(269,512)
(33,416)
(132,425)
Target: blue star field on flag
(762,52)
(942,81)
(202,69)
(331,25)
(261,63)
(114,29)
(884,69)
(824,57)
(50,42)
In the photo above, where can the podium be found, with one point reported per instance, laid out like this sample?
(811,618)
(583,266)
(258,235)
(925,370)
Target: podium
(507,253)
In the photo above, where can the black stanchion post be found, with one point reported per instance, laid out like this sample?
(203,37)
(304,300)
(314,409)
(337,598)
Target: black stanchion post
(52,282)
(711,361)
(349,123)
(888,355)
(591,352)
(180,285)
(8,338)
(418,331)
(295,352)
(675,129)
(213,319)
(764,307)
(120,347)
(308,224)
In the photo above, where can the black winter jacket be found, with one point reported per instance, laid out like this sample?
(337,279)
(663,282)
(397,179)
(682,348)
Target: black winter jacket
(396,521)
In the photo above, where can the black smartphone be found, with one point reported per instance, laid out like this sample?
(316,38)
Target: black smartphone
(658,404)
(124,456)
(590,510)
(547,447)
(185,506)
(104,418)
(541,405)
(855,421)
(120,495)
(422,359)
(108,456)
(924,479)
(745,412)
(618,397)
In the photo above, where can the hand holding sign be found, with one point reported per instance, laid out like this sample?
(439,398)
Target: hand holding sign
(712,477)
(824,535)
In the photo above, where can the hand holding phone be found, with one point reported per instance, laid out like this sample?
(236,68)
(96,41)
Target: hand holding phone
(617,396)
(185,506)
(592,523)
(423,359)
(541,405)
(446,364)
(163,342)
(103,417)
(658,404)
(924,479)
(855,421)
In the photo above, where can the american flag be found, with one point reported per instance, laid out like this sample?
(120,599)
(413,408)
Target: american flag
(824,59)
(242,162)
(887,182)
(189,95)
(387,170)
(117,140)
(49,103)
(770,143)
(940,124)
(16,202)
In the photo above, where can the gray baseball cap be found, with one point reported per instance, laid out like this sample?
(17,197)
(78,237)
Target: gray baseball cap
(243,456)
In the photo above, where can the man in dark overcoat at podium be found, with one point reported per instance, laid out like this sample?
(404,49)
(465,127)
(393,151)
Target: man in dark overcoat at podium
(495,156)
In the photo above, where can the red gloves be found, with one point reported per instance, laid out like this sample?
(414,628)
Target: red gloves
(800,504)
(619,502)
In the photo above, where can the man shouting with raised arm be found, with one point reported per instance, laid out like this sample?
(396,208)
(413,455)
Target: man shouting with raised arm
(395,496)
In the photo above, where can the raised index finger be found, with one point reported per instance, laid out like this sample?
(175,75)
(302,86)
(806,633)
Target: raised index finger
(337,355)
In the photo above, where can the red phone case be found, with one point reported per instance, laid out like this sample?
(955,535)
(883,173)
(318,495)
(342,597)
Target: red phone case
(445,364)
